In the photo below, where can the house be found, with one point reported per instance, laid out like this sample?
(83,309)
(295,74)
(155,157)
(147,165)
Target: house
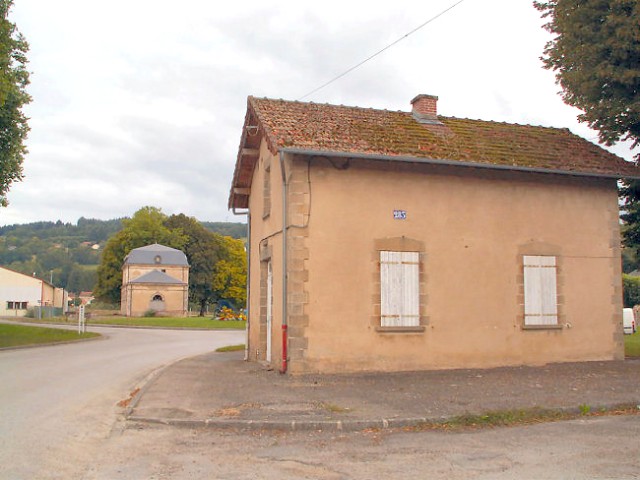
(388,240)
(155,278)
(20,293)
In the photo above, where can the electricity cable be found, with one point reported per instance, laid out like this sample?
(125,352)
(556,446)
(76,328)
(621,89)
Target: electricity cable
(382,50)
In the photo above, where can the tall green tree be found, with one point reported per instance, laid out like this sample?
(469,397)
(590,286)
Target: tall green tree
(144,228)
(204,250)
(230,279)
(595,53)
(14,79)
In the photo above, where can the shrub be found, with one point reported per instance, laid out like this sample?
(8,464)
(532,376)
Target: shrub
(630,290)
(149,313)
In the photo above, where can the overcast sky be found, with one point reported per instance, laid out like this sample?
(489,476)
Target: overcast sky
(141,102)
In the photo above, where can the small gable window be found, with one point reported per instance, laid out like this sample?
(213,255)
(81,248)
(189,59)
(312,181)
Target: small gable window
(158,259)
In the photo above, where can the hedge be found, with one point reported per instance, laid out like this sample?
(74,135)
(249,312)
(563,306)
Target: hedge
(630,290)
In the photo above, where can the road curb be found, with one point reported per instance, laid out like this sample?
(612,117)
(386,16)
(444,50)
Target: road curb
(349,425)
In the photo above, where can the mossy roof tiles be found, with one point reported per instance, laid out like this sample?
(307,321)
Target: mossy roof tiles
(364,131)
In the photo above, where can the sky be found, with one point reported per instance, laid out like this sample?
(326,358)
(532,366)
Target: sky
(141,102)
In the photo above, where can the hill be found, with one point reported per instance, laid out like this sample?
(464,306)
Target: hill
(68,255)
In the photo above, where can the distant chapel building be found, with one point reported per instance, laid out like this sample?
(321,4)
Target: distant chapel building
(155,278)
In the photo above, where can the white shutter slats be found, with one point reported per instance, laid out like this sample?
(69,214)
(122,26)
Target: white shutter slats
(399,289)
(540,290)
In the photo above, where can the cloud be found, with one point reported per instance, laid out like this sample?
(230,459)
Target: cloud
(142,103)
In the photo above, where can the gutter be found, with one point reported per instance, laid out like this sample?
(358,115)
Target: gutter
(452,163)
(285,340)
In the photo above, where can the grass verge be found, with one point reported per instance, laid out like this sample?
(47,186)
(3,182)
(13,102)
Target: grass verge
(231,348)
(162,322)
(632,345)
(509,418)
(22,335)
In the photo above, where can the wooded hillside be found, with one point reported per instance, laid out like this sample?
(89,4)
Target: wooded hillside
(68,255)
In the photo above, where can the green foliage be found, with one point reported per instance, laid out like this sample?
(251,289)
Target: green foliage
(14,79)
(230,279)
(630,290)
(227,229)
(584,409)
(595,53)
(146,227)
(203,250)
(629,260)
(149,313)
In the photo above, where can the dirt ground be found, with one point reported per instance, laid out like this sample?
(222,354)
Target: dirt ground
(601,447)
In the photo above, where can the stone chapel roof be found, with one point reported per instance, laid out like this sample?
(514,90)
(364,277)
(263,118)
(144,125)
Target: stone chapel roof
(156,254)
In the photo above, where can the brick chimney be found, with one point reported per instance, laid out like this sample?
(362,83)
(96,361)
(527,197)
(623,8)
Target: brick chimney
(425,109)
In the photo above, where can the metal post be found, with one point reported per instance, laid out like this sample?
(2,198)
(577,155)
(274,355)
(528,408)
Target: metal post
(81,322)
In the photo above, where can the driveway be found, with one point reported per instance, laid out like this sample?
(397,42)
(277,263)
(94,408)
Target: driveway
(58,403)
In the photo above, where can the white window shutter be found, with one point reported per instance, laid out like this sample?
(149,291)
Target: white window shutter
(399,289)
(540,290)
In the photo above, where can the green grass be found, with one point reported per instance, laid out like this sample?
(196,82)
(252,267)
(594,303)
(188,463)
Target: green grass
(231,348)
(170,322)
(632,345)
(21,335)
(509,418)
(166,322)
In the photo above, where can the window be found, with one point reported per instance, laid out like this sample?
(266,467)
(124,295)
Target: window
(266,191)
(540,290)
(17,305)
(399,289)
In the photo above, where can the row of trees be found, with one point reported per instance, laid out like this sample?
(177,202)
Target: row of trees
(218,263)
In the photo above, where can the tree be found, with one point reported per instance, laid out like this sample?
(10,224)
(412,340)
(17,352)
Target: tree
(596,56)
(230,278)
(14,79)
(203,250)
(144,228)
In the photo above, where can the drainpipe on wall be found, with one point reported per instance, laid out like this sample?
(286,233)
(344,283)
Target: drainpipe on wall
(284,265)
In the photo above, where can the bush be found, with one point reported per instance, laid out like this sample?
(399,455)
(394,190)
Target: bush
(630,290)
(150,313)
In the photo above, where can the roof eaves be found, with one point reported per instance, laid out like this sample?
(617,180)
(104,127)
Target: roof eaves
(454,163)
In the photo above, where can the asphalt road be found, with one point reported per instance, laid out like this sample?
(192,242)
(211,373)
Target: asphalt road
(59,420)
(59,403)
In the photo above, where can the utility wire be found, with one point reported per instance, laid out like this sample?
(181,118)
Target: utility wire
(380,51)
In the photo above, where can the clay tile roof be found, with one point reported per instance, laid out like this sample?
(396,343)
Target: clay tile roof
(363,131)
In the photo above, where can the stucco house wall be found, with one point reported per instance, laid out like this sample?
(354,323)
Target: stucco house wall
(472,232)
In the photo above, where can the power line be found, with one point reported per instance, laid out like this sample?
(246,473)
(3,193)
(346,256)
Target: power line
(382,50)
